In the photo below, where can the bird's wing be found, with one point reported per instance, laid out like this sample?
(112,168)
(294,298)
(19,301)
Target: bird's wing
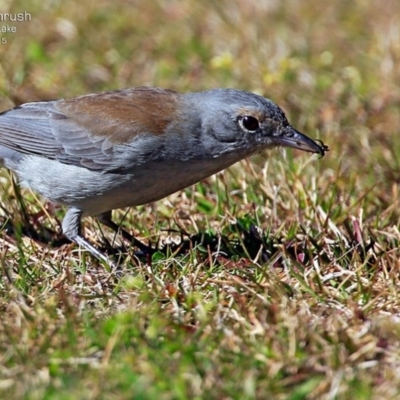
(92,131)
(40,129)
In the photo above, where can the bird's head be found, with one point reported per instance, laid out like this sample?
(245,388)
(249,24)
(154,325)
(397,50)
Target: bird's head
(232,120)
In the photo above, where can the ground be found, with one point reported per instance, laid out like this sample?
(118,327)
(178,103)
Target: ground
(277,278)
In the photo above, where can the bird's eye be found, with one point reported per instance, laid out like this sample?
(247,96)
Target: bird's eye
(249,123)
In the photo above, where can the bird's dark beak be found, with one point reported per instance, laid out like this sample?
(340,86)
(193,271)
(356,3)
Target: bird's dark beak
(297,140)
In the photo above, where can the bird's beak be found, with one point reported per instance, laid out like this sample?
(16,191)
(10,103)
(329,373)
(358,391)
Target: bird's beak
(297,140)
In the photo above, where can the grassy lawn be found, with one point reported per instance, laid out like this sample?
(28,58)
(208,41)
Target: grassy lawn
(276,279)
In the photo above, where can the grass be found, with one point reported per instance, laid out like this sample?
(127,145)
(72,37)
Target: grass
(281,279)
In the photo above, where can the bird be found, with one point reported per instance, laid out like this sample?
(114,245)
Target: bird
(128,147)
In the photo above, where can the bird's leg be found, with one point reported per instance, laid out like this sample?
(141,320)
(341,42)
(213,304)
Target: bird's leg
(105,218)
(71,228)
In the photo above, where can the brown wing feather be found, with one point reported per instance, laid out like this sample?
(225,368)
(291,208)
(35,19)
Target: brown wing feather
(86,130)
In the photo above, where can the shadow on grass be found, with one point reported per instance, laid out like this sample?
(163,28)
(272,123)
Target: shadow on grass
(247,245)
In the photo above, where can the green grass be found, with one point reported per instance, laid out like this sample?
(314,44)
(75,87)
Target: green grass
(281,279)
